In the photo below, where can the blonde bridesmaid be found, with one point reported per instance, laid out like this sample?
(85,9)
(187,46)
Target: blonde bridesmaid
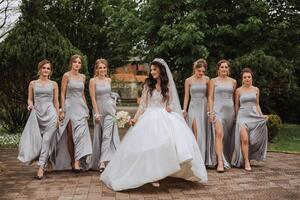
(106,134)
(41,127)
(251,133)
(196,87)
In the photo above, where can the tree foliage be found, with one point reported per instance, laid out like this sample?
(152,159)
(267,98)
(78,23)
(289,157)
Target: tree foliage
(261,34)
(106,28)
(175,31)
(265,36)
(27,44)
(275,79)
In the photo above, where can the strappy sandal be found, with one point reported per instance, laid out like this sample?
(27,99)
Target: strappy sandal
(101,169)
(39,177)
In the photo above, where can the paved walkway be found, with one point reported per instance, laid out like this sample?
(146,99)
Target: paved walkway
(277,178)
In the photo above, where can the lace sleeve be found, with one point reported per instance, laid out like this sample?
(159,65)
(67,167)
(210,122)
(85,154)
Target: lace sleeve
(173,100)
(170,99)
(143,103)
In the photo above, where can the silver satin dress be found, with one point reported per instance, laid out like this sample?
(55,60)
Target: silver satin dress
(197,112)
(256,128)
(106,135)
(41,127)
(77,113)
(225,114)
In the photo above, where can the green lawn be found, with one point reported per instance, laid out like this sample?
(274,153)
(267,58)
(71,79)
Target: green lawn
(288,139)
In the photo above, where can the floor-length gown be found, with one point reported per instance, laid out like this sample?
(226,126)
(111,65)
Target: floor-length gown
(106,135)
(255,124)
(41,127)
(160,144)
(225,114)
(77,113)
(197,113)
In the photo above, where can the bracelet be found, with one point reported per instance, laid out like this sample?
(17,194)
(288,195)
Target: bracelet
(61,110)
(96,115)
(210,113)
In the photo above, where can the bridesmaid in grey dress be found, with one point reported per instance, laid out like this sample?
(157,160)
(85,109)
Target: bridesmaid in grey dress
(222,116)
(41,127)
(251,133)
(74,113)
(106,134)
(196,87)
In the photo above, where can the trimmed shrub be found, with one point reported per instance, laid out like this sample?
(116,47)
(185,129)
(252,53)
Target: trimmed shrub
(274,124)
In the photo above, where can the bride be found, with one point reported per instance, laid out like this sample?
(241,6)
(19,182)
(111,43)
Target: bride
(160,143)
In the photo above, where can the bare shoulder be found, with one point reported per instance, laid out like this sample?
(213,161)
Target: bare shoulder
(66,75)
(207,79)
(188,80)
(92,80)
(109,79)
(32,83)
(54,83)
(213,80)
(256,89)
(238,90)
(233,80)
(83,76)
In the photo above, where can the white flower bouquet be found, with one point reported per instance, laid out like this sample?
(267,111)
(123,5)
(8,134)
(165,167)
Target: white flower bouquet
(122,118)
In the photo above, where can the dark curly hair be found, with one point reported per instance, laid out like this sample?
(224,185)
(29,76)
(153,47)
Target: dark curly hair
(164,80)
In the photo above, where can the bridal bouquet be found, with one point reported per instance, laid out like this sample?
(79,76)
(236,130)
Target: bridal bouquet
(122,118)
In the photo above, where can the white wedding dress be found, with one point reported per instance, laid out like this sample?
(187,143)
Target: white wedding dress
(160,144)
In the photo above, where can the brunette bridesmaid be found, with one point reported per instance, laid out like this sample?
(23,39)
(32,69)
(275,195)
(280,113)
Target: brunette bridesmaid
(74,142)
(251,133)
(222,116)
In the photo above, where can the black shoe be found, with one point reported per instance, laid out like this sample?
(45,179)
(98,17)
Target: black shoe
(220,170)
(72,166)
(101,169)
(77,171)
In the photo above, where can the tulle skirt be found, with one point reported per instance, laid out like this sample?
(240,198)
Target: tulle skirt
(160,144)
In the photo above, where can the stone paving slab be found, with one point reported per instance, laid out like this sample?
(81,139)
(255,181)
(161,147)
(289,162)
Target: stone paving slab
(277,178)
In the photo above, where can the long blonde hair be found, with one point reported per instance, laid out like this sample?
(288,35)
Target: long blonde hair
(97,63)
